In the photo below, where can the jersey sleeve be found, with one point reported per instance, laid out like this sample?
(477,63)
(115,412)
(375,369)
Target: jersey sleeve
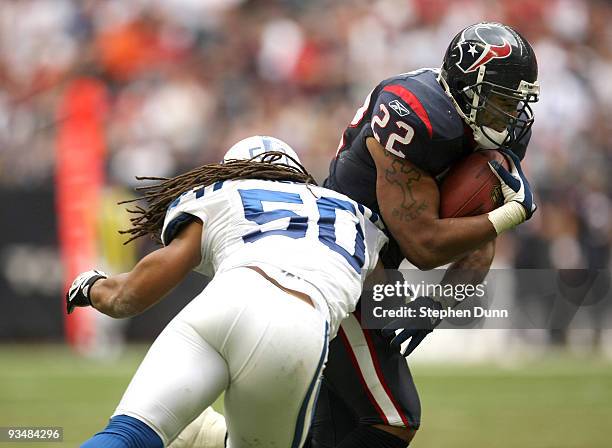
(182,211)
(198,203)
(400,123)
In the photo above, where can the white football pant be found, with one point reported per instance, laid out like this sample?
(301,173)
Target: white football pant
(244,335)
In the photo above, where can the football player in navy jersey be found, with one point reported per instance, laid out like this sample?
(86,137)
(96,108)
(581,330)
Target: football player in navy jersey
(410,130)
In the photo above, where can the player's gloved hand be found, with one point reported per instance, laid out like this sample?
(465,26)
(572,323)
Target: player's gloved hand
(78,294)
(414,328)
(514,184)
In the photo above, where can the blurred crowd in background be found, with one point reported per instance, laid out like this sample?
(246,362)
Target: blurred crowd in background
(185,79)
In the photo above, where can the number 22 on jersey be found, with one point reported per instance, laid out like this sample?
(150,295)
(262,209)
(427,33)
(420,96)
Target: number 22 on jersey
(383,121)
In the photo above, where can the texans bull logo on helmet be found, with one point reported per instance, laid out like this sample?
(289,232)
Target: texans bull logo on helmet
(474,55)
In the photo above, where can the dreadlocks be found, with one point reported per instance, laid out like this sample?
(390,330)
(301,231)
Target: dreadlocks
(150,220)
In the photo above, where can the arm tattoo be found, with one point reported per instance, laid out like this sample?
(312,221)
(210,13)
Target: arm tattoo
(404,176)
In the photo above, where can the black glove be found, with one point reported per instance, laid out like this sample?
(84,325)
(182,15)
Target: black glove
(78,294)
(414,328)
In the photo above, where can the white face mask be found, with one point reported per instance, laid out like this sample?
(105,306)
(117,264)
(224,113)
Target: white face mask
(492,140)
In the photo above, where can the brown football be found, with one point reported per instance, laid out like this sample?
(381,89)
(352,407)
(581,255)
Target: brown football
(470,188)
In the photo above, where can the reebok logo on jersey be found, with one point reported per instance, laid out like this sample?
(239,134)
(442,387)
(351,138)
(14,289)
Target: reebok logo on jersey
(398,107)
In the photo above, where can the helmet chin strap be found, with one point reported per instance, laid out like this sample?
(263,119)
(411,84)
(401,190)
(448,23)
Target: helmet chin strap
(489,138)
(484,136)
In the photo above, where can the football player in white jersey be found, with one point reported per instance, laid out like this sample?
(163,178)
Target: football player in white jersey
(289,260)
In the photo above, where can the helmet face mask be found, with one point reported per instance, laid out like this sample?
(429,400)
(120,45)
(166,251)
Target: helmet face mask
(503,115)
(490,73)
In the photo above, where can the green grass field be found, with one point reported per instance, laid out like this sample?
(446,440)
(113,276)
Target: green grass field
(558,402)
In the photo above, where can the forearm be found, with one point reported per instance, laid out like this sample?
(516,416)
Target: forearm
(442,241)
(129,294)
(462,240)
(469,270)
(112,297)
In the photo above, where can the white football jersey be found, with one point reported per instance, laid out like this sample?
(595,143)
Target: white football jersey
(313,233)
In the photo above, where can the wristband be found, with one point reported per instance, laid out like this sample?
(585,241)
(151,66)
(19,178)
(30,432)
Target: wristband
(507,216)
(87,292)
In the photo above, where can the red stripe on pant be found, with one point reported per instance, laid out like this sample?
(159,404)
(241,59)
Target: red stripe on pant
(379,373)
(349,350)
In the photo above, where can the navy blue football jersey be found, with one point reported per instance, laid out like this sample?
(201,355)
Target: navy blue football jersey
(411,116)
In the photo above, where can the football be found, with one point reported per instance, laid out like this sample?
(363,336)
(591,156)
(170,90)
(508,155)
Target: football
(470,188)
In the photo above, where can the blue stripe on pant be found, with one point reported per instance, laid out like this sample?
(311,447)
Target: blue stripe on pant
(301,420)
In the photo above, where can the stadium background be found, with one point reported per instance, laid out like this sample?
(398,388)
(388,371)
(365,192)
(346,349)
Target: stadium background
(155,87)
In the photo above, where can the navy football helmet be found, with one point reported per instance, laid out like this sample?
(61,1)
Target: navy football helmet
(490,72)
